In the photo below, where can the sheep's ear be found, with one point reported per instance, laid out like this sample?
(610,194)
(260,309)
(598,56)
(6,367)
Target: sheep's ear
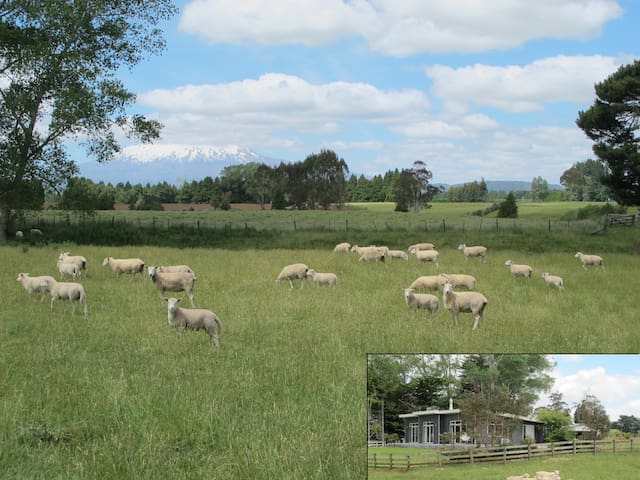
(179,300)
(165,299)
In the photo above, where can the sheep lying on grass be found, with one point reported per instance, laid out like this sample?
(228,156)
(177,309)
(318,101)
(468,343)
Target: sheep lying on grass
(194,319)
(293,271)
(398,254)
(426,301)
(35,232)
(555,475)
(78,260)
(342,247)
(124,265)
(428,282)
(323,278)
(476,251)
(519,270)
(173,282)
(553,280)
(519,477)
(459,280)
(68,291)
(67,269)
(469,302)
(372,256)
(590,260)
(40,284)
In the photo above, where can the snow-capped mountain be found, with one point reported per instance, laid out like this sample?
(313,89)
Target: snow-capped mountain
(169,162)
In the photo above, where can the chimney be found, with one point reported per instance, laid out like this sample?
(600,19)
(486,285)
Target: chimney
(450,403)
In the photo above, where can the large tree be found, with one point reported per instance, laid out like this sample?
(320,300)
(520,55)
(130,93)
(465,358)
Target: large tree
(583,181)
(412,188)
(59,61)
(592,413)
(612,122)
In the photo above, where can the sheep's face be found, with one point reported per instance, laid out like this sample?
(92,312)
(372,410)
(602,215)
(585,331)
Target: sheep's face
(578,255)
(172,304)
(462,246)
(508,263)
(153,271)
(21,276)
(106,261)
(447,289)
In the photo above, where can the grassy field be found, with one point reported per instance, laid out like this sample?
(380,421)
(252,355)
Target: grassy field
(119,394)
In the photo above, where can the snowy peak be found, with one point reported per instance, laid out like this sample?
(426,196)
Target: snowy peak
(144,153)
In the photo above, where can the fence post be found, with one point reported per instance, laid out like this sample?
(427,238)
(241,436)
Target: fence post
(426,229)
(614,446)
(594,446)
(631,445)
(574,446)
(439,455)
(375,461)
(346,225)
(497,226)
(480,227)
(552,451)
(408,462)
(504,455)
(444,226)
(391,461)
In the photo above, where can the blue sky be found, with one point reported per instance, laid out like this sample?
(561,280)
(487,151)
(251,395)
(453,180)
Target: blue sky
(471,88)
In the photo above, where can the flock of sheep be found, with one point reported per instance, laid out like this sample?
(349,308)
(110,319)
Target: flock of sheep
(456,302)
(175,278)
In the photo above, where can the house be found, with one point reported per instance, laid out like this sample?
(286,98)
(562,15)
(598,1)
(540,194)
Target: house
(435,426)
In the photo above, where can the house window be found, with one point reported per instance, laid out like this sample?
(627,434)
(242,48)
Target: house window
(428,433)
(413,433)
(455,429)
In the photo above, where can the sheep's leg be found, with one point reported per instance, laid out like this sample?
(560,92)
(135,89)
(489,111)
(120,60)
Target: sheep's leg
(290,283)
(475,324)
(193,305)
(584,266)
(53,300)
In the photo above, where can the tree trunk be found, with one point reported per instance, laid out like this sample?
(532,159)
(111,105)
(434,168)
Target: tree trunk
(4,222)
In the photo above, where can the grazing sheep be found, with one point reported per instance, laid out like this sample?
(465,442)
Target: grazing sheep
(173,282)
(19,235)
(79,260)
(519,270)
(362,250)
(421,246)
(590,260)
(323,278)
(293,271)
(428,282)
(68,291)
(477,251)
(342,247)
(555,475)
(460,280)
(428,256)
(426,301)
(469,302)
(40,284)
(398,254)
(174,269)
(67,269)
(35,232)
(124,265)
(553,280)
(194,319)
(519,477)
(372,256)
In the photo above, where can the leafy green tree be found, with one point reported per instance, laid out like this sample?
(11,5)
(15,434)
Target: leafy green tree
(468,192)
(539,189)
(558,404)
(556,425)
(612,123)
(628,424)
(325,177)
(260,185)
(583,181)
(58,65)
(508,208)
(412,188)
(402,191)
(592,413)
(79,196)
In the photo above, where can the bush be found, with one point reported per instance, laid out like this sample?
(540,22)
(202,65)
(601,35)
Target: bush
(594,211)
(508,208)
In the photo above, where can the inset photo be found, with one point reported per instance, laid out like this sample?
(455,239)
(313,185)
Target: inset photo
(497,416)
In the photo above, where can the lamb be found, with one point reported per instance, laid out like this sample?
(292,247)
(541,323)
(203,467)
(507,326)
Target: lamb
(19,235)
(194,319)
(421,246)
(519,270)
(372,256)
(477,251)
(426,301)
(79,260)
(428,256)
(293,271)
(124,265)
(174,269)
(590,260)
(555,475)
(67,269)
(553,280)
(519,477)
(323,278)
(68,291)
(398,254)
(470,302)
(173,282)
(460,280)
(40,284)
(428,282)
(342,247)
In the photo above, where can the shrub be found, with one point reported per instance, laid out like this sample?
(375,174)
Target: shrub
(508,208)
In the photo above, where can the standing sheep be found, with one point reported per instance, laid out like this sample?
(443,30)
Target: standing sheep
(468,302)
(421,246)
(173,282)
(476,251)
(67,269)
(293,271)
(372,256)
(428,256)
(194,319)
(398,254)
(426,301)
(78,260)
(590,260)
(342,247)
(323,278)
(519,270)
(553,280)
(428,282)
(40,284)
(19,235)
(459,280)
(68,291)
(124,265)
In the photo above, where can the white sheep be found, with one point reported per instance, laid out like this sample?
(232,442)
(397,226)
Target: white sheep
(40,284)
(342,247)
(555,475)
(372,256)
(460,280)
(174,268)
(293,271)
(173,282)
(428,282)
(476,251)
(519,477)
(426,301)
(194,319)
(590,260)
(428,256)
(519,270)
(468,302)
(362,250)
(421,246)
(553,280)
(19,235)
(398,254)
(68,291)
(79,260)
(67,269)
(323,278)
(124,265)
(35,232)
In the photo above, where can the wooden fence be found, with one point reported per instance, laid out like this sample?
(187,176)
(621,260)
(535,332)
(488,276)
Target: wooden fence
(442,456)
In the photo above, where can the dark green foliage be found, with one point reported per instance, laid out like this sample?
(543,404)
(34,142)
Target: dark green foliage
(583,181)
(628,424)
(594,211)
(468,192)
(539,189)
(556,425)
(508,208)
(591,412)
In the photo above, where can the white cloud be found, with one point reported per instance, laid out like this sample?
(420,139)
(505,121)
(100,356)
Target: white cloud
(524,88)
(397,28)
